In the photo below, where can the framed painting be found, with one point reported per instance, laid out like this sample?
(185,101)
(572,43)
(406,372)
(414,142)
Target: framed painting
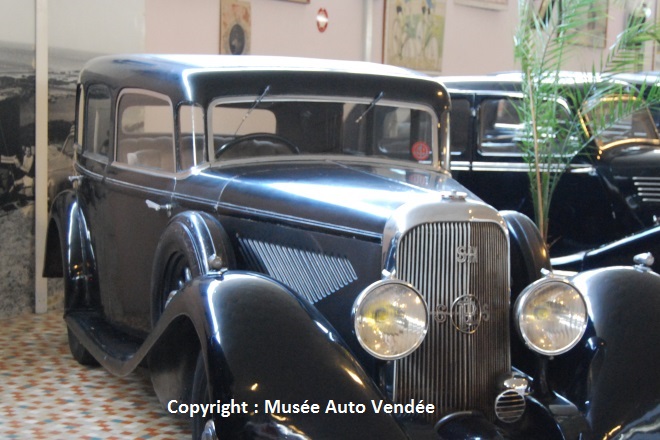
(414,32)
(235,27)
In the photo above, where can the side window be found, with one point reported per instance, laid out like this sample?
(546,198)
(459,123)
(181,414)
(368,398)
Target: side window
(145,131)
(461,116)
(97,122)
(500,129)
(191,136)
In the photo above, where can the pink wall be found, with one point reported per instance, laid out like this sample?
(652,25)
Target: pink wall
(278,28)
(475,41)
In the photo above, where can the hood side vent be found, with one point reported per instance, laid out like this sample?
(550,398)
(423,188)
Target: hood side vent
(648,189)
(313,275)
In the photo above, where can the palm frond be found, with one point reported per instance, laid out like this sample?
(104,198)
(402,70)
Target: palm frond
(554,136)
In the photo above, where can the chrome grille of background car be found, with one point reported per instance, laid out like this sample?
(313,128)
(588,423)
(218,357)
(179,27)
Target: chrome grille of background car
(452,369)
(648,188)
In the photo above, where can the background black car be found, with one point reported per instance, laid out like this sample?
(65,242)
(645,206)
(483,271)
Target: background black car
(610,190)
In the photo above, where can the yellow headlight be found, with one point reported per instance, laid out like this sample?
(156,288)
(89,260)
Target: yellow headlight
(390,319)
(551,316)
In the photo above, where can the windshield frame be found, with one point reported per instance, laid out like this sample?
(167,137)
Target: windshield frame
(437,161)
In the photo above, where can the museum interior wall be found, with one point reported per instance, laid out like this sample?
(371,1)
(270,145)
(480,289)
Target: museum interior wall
(451,37)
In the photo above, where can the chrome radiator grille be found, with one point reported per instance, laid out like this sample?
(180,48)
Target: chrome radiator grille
(462,271)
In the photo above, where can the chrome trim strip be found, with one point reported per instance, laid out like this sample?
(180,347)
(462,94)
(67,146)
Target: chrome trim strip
(522,167)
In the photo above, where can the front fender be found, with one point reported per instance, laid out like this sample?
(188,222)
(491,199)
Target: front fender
(268,349)
(613,375)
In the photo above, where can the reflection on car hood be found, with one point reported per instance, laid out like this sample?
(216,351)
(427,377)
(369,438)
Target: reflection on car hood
(351,196)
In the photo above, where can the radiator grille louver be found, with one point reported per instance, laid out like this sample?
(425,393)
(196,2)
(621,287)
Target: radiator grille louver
(457,266)
(313,275)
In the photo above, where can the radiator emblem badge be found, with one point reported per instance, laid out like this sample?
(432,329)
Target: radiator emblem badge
(466,314)
(466,254)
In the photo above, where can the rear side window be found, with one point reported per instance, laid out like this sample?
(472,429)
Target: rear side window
(145,131)
(97,122)
(500,130)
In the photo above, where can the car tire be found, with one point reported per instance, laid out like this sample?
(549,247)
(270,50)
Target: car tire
(79,352)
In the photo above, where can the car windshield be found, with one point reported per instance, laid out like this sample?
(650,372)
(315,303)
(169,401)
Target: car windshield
(617,124)
(276,126)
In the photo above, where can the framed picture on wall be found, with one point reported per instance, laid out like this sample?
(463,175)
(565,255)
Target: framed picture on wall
(486,4)
(298,1)
(414,32)
(235,27)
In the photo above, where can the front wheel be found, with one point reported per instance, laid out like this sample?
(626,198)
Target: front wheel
(176,265)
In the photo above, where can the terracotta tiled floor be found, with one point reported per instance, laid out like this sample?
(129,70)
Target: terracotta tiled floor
(45,394)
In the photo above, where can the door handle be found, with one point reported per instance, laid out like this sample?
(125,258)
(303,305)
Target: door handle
(158,207)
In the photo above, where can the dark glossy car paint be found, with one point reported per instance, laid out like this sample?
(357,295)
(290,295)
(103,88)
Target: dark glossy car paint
(608,193)
(234,279)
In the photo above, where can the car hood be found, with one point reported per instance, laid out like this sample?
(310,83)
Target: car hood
(351,196)
(637,160)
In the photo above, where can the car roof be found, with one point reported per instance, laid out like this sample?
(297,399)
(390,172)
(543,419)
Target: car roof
(506,81)
(179,75)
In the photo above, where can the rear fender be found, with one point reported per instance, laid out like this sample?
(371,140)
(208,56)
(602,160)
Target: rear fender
(69,253)
(266,348)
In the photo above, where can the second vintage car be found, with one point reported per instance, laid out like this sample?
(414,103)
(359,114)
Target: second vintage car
(606,206)
(279,241)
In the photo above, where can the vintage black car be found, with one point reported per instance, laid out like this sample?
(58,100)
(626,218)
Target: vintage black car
(280,243)
(609,195)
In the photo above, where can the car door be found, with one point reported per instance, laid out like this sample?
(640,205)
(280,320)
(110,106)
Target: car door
(133,203)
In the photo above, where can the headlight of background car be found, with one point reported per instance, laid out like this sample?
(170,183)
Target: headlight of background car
(390,319)
(551,316)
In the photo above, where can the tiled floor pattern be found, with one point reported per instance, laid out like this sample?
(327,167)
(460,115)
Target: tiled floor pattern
(45,394)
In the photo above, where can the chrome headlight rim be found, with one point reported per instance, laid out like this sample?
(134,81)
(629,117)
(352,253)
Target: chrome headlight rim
(361,298)
(535,289)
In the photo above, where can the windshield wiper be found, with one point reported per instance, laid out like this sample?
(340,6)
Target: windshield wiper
(254,105)
(368,109)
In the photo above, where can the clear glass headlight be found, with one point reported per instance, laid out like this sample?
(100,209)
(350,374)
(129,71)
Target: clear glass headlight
(390,319)
(551,316)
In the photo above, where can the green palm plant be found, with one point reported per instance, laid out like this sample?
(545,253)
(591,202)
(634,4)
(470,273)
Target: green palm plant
(553,137)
